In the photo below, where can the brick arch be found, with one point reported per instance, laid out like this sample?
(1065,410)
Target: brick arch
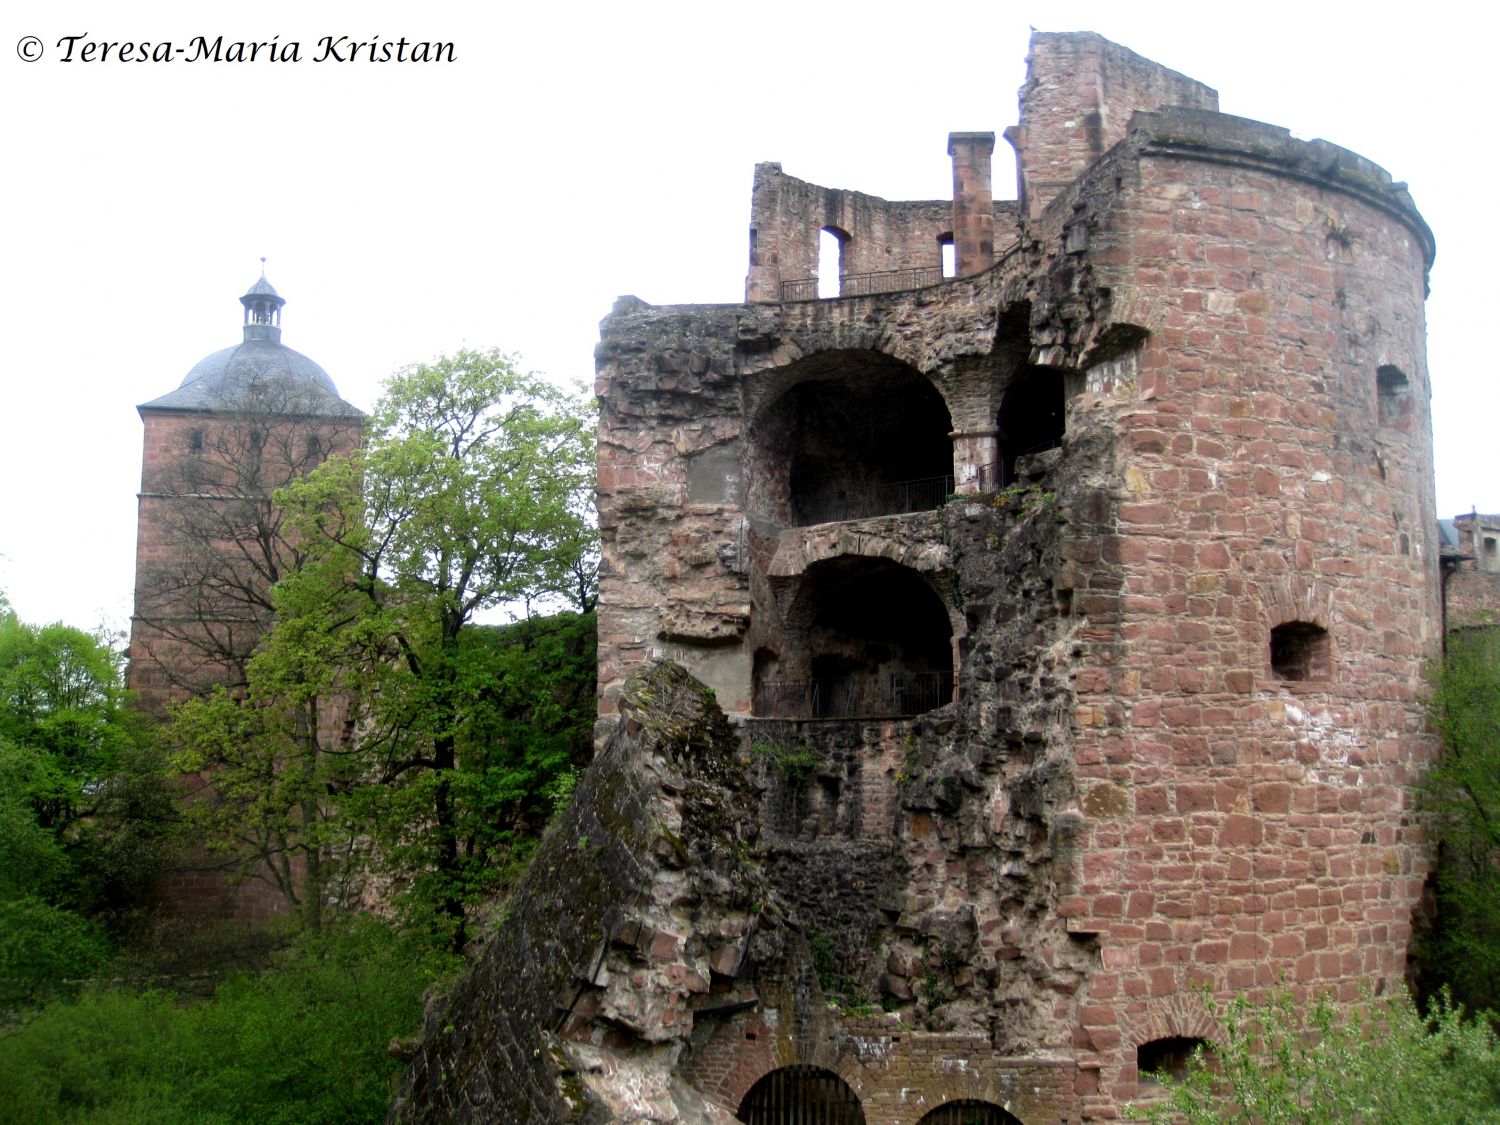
(779,1052)
(863,631)
(1181,1015)
(934,566)
(962,1111)
(1296,597)
(803,1087)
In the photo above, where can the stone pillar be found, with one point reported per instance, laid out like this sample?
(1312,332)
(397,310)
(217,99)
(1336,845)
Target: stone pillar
(973,205)
(976,460)
(763,282)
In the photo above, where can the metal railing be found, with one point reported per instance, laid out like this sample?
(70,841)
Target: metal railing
(925,495)
(897,695)
(864,284)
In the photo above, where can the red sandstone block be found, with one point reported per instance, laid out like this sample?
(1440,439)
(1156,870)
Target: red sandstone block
(1096,1016)
(1212,952)
(1163,981)
(1240,831)
(1273,797)
(1247,947)
(1151,800)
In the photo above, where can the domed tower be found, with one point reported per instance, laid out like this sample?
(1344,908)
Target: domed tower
(245,421)
(210,545)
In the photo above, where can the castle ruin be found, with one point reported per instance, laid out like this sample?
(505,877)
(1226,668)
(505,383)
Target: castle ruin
(1068,593)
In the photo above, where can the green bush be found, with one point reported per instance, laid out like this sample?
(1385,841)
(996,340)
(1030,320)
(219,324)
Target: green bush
(43,946)
(302,1044)
(1381,1063)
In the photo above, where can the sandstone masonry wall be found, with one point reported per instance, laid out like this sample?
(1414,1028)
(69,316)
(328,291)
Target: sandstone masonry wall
(1184,627)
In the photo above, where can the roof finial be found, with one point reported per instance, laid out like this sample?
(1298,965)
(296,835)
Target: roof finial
(262,265)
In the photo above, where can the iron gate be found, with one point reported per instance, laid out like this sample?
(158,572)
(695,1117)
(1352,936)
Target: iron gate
(801,1095)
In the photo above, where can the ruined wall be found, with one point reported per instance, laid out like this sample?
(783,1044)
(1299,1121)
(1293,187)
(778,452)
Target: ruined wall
(1076,104)
(879,235)
(1187,630)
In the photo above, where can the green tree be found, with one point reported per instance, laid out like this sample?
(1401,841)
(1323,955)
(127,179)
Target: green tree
(1381,1063)
(380,717)
(475,481)
(1462,794)
(82,828)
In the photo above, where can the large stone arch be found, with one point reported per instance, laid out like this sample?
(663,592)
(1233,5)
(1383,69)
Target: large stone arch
(844,435)
(857,636)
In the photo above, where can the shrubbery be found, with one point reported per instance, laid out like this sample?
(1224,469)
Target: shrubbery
(303,1043)
(1380,1064)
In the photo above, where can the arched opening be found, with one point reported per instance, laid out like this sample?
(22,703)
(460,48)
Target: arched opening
(969,1111)
(865,638)
(861,435)
(1032,417)
(831,242)
(1300,652)
(1169,1057)
(801,1095)
(1393,397)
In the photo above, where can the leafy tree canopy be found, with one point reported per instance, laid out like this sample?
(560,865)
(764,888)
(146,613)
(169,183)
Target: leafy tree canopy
(81,827)
(381,720)
(1462,795)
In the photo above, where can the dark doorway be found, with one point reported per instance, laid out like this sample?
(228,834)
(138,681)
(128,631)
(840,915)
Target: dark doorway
(801,1095)
(1032,418)
(969,1111)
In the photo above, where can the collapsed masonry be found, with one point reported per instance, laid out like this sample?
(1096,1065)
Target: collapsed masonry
(1071,610)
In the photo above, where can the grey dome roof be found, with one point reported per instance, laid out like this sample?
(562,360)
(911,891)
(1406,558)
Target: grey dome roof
(259,373)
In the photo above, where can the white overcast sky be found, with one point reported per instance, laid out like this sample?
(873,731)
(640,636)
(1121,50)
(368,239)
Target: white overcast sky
(573,153)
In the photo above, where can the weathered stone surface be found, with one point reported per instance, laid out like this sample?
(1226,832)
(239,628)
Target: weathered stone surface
(638,900)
